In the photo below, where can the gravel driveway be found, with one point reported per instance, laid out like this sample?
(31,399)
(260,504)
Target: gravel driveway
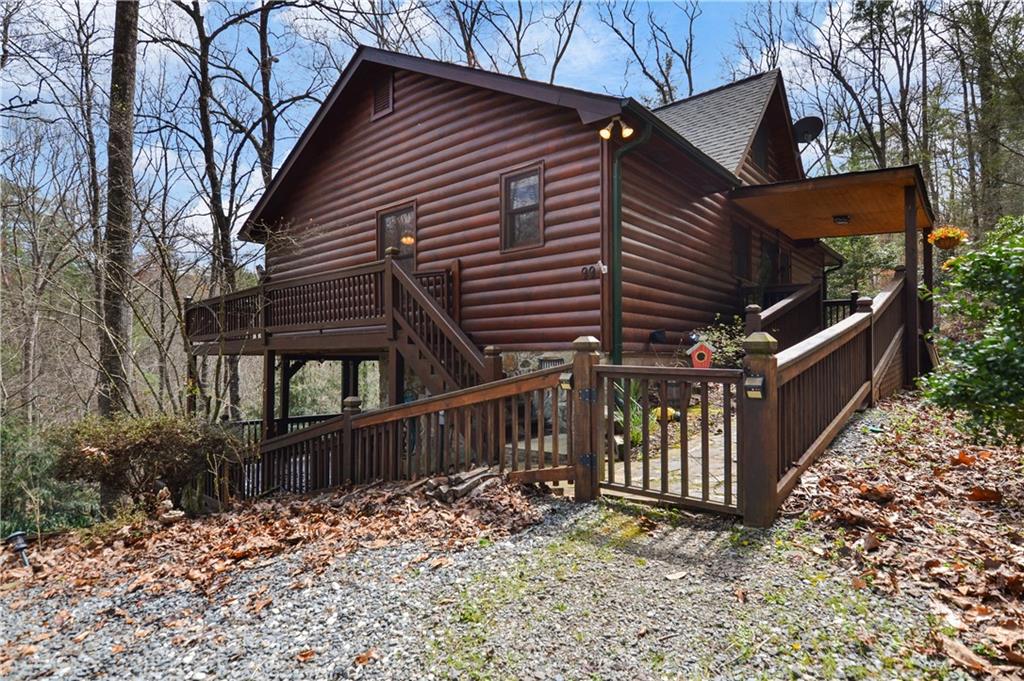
(593,592)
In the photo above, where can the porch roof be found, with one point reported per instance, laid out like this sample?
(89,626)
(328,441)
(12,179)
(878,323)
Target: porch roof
(868,202)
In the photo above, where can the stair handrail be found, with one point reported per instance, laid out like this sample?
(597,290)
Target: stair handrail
(440,318)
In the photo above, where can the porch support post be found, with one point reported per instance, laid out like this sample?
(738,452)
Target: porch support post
(350,378)
(396,376)
(928,319)
(269,360)
(286,393)
(911,354)
(759,431)
(584,402)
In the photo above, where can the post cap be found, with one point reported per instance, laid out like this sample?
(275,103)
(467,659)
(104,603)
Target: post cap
(753,309)
(760,343)
(492,350)
(864,304)
(353,402)
(391,250)
(586,343)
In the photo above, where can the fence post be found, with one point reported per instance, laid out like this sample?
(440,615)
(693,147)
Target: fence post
(752,319)
(492,372)
(854,297)
(584,398)
(864,305)
(347,451)
(759,431)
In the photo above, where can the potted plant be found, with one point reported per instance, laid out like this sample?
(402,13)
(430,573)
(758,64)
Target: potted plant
(947,237)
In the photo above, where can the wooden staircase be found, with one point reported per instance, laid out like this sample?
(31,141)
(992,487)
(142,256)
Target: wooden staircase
(428,339)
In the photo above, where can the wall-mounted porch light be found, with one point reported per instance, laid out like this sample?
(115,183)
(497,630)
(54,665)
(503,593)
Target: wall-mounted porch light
(408,239)
(624,129)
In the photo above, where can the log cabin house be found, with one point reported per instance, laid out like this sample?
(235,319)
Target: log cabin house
(434,218)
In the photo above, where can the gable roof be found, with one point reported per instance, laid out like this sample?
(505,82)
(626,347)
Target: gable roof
(590,106)
(721,122)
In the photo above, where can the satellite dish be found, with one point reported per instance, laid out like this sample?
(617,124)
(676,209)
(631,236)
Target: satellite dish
(807,129)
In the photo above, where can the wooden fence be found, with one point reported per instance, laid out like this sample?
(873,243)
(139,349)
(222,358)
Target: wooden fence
(728,440)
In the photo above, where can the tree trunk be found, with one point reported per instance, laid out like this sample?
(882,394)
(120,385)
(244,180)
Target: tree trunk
(114,342)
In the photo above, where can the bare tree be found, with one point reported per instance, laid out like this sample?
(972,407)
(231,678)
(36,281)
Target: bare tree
(116,336)
(654,50)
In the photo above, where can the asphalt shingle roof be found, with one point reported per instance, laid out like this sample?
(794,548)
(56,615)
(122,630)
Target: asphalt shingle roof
(720,122)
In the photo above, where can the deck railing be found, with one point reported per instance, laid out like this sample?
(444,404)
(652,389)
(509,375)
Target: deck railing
(792,319)
(806,393)
(518,424)
(353,296)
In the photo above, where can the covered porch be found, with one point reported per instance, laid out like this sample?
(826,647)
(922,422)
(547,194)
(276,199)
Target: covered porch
(886,201)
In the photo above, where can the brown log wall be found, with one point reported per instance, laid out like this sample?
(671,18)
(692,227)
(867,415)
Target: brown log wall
(444,147)
(677,249)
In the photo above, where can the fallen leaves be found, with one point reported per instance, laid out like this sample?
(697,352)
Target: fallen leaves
(913,508)
(367,656)
(202,554)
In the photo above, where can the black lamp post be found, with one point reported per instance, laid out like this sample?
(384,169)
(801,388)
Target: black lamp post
(18,544)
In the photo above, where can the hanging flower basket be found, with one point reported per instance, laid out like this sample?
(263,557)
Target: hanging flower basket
(947,237)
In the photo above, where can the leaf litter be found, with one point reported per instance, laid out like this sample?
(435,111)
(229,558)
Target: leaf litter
(916,509)
(201,555)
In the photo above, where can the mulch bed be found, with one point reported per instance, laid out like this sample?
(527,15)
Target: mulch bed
(917,509)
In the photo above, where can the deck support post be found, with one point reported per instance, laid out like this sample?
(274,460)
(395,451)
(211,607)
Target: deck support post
(396,376)
(584,403)
(759,430)
(864,305)
(911,352)
(286,393)
(350,378)
(269,360)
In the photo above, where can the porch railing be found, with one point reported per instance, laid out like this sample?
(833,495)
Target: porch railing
(348,297)
(794,318)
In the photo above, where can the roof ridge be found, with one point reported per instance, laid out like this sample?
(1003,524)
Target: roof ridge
(718,88)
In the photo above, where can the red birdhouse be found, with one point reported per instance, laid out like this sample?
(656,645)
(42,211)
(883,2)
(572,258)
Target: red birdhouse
(700,355)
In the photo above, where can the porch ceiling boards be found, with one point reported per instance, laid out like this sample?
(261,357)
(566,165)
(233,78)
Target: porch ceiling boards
(872,201)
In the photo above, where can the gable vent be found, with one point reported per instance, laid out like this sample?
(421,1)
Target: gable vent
(383,91)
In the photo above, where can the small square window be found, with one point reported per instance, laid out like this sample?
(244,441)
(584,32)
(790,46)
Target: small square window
(522,209)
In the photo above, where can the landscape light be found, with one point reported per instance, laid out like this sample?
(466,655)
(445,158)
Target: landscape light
(18,544)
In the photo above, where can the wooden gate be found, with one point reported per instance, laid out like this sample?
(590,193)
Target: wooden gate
(670,434)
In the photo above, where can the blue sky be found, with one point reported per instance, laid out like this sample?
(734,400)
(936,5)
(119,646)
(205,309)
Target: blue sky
(595,60)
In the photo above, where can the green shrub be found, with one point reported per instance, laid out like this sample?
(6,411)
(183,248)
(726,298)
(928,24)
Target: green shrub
(130,455)
(982,369)
(31,497)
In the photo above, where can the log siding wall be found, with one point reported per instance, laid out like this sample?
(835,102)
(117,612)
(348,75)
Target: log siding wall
(445,146)
(677,249)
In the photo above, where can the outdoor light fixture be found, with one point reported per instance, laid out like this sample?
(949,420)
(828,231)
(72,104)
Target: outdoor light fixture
(408,239)
(658,336)
(624,129)
(841,219)
(19,546)
(565,381)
